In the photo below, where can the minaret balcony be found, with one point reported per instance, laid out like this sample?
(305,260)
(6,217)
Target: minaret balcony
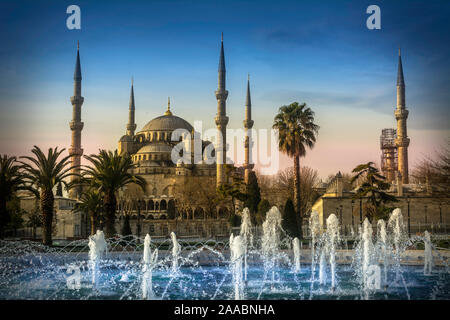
(75,151)
(248,124)
(77,100)
(221,120)
(221,94)
(74,125)
(401,114)
(402,142)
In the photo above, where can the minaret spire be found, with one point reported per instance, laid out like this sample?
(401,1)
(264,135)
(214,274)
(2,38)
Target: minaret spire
(401,114)
(248,125)
(221,118)
(76,126)
(131,125)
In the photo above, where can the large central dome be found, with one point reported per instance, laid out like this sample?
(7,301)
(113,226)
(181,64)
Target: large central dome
(167,122)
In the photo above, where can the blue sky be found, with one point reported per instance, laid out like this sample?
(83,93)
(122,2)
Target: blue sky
(307,51)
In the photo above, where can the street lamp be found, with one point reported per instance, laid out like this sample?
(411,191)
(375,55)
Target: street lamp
(353,219)
(409,217)
(360,210)
(139,220)
(440,213)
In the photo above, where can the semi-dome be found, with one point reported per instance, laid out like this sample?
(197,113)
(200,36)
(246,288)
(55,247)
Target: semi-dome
(155,148)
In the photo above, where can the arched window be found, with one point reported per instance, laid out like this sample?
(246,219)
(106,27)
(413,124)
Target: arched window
(163,205)
(198,213)
(151,205)
(171,209)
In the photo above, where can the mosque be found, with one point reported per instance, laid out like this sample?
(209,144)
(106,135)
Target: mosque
(155,210)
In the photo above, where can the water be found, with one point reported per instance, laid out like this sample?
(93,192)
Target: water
(244,267)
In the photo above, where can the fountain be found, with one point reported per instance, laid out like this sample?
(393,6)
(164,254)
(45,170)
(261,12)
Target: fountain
(333,238)
(247,236)
(428,265)
(177,268)
(176,249)
(149,262)
(271,240)
(314,227)
(237,249)
(97,246)
(398,238)
(383,247)
(296,246)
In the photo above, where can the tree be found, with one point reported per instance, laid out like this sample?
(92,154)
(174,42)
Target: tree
(289,219)
(296,132)
(110,171)
(34,220)
(372,188)
(91,203)
(11,181)
(253,195)
(59,190)
(284,181)
(42,174)
(435,170)
(263,208)
(195,192)
(232,190)
(126,228)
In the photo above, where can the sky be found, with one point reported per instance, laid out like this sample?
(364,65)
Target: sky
(320,53)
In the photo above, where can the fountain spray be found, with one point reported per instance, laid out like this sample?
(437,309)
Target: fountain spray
(428,266)
(97,246)
(314,226)
(237,250)
(247,236)
(333,238)
(149,259)
(176,250)
(296,246)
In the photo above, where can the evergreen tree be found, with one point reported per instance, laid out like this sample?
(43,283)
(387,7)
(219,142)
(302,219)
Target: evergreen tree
(126,228)
(289,219)
(253,195)
(263,207)
(373,189)
(59,190)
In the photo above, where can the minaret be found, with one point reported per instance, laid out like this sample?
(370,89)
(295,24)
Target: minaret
(248,125)
(221,119)
(76,126)
(401,114)
(131,125)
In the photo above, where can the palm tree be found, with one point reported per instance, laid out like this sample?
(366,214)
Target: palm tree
(372,186)
(109,172)
(296,132)
(91,203)
(11,181)
(43,173)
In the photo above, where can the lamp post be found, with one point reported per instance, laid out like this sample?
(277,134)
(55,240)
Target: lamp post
(426,219)
(409,217)
(440,213)
(353,219)
(360,210)
(139,220)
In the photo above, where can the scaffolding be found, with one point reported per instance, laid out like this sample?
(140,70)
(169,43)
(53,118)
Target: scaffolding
(389,155)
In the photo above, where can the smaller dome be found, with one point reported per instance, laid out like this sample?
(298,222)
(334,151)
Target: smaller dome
(126,138)
(155,148)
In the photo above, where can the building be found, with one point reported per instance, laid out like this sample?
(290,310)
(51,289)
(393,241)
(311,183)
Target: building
(423,206)
(155,211)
